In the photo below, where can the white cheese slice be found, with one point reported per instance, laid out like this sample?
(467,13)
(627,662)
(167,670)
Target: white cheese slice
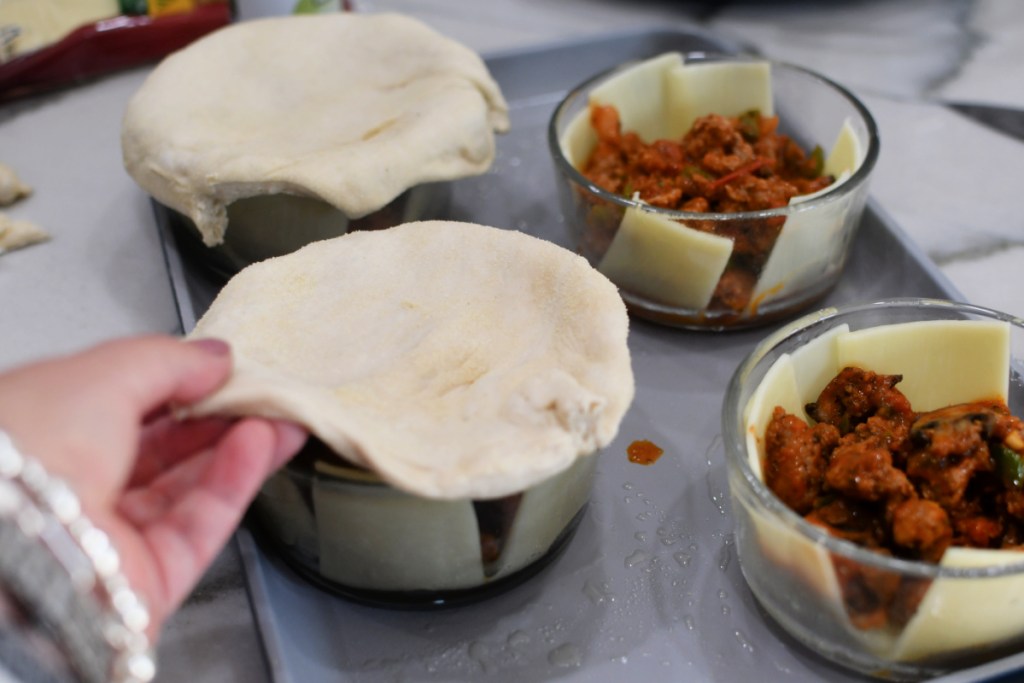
(285,514)
(726,88)
(948,617)
(664,261)
(791,382)
(788,383)
(579,139)
(544,512)
(639,95)
(816,363)
(375,538)
(778,388)
(943,362)
(810,242)
(789,548)
(846,154)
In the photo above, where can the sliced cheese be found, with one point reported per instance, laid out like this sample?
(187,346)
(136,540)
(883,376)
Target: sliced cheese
(726,88)
(781,386)
(788,547)
(579,139)
(284,512)
(639,95)
(787,384)
(815,364)
(812,241)
(664,261)
(948,617)
(374,538)
(778,388)
(846,154)
(661,98)
(943,362)
(544,513)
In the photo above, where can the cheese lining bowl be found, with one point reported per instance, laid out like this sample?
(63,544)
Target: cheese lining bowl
(462,401)
(883,613)
(699,230)
(347,531)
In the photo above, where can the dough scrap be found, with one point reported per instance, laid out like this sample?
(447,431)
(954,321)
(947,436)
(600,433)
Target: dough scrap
(352,109)
(454,360)
(18,234)
(11,187)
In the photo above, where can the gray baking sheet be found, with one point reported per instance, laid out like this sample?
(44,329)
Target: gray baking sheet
(650,588)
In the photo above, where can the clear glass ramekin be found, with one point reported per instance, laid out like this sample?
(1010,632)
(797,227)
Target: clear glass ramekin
(345,530)
(796,570)
(265,226)
(811,237)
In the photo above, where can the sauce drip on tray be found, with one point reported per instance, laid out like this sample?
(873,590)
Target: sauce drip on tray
(644,452)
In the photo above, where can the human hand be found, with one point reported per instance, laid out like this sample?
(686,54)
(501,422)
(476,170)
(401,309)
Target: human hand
(168,492)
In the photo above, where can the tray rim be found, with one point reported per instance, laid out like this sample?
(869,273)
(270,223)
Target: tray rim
(249,551)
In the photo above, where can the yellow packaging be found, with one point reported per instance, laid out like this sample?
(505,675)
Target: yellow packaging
(160,8)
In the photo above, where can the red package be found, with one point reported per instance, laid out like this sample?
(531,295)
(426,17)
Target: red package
(106,46)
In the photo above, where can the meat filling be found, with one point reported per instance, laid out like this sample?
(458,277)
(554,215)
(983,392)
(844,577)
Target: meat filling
(723,165)
(872,471)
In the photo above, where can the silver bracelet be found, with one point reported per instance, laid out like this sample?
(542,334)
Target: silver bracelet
(66,572)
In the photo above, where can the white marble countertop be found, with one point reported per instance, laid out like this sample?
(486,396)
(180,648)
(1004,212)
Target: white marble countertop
(949,182)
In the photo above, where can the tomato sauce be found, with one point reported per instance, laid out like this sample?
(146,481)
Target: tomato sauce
(644,452)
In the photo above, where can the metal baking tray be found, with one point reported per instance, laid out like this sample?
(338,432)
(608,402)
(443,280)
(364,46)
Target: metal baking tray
(650,588)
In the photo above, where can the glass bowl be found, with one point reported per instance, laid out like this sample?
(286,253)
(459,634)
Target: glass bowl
(964,610)
(265,226)
(715,271)
(346,531)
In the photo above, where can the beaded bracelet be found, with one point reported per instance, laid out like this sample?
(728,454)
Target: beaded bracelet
(65,572)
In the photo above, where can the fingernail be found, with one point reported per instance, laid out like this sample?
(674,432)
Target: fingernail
(215,347)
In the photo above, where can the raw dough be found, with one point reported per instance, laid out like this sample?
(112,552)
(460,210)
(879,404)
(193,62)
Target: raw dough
(349,108)
(17,234)
(11,187)
(455,360)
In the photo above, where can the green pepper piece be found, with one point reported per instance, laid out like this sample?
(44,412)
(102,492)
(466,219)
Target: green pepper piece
(1009,465)
(817,165)
(750,125)
(691,170)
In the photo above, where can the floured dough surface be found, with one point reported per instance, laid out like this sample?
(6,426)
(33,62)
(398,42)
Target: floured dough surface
(349,108)
(455,360)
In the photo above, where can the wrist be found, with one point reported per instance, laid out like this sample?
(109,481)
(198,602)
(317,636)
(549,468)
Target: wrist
(65,575)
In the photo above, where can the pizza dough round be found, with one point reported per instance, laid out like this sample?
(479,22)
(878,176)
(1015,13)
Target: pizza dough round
(352,109)
(454,360)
